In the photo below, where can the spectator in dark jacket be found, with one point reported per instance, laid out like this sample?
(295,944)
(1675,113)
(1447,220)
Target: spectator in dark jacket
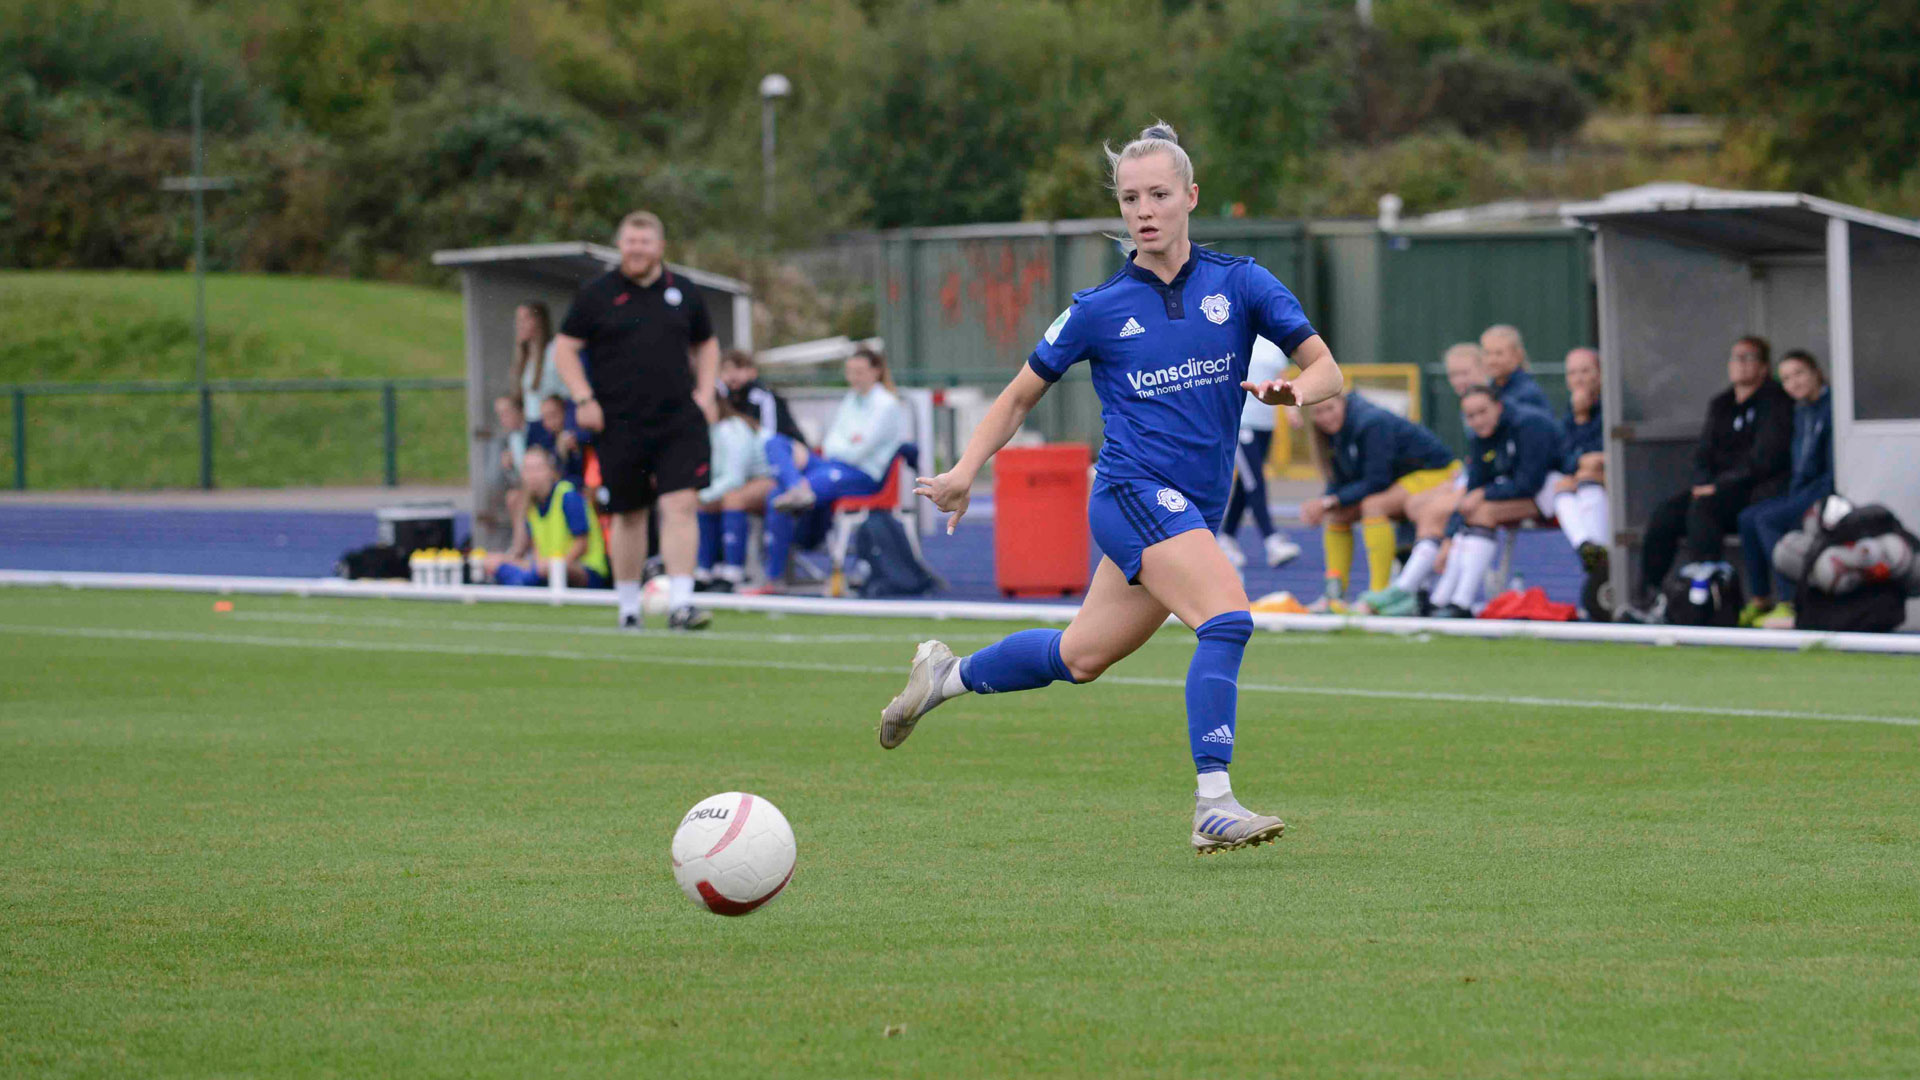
(1580,502)
(1744,455)
(1511,478)
(752,399)
(1507,366)
(1766,521)
(1381,467)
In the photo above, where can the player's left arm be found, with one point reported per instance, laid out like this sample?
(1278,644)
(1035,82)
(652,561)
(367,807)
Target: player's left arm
(703,352)
(1277,316)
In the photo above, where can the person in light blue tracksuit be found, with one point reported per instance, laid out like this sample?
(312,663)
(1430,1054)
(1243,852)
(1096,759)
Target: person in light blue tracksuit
(1765,522)
(1167,342)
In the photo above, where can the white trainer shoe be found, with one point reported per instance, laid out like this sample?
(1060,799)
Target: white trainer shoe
(1281,550)
(925,682)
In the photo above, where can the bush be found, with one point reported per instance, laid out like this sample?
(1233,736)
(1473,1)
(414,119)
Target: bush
(1482,96)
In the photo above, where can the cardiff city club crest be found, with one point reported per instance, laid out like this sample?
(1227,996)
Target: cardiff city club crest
(1173,501)
(1215,308)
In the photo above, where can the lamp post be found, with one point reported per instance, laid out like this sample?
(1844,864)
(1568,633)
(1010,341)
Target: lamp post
(199,184)
(772,89)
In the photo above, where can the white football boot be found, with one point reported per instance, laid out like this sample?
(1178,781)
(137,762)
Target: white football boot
(1232,827)
(926,688)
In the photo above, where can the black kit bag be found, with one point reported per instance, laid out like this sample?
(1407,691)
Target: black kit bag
(1875,607)
(1704,594)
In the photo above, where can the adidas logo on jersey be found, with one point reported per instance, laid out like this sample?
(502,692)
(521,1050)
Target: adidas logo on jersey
(1133,327)
(1221,734)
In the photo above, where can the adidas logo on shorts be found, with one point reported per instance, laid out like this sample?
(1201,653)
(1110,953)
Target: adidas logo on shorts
(1221,734)
(1133,327)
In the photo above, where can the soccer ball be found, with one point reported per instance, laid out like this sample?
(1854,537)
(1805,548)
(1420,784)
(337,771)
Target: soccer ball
(655,594)
(733,852)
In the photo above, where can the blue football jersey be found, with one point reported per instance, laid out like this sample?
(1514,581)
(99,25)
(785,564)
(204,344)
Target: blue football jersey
(1167,360)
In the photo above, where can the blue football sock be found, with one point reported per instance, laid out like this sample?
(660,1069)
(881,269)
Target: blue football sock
(779,532)
(733,537)
(1213,688)
(709,539)
(1020,661)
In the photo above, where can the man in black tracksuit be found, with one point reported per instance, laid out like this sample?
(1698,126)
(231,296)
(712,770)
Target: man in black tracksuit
(1745,454)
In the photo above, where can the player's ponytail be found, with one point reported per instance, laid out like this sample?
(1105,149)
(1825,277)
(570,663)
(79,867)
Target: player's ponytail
(1157,138)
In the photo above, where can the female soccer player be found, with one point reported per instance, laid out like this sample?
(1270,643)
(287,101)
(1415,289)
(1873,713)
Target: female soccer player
(1168,340)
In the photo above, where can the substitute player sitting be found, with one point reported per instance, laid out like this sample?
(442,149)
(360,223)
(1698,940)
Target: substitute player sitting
(560,525)
(1167,340)
(1385,468)
(1511,478)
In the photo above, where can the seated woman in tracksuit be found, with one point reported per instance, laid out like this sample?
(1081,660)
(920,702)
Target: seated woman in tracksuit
(1765,522)
(560,525)
(1381,467)
(741,481)
(1512,476)
(854,460)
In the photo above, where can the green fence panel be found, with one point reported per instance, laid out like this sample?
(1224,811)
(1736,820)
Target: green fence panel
(296,439)
(109,440)
(431,425)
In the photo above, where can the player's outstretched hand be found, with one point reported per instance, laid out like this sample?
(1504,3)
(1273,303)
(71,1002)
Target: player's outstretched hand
(949,492)
(1272,391)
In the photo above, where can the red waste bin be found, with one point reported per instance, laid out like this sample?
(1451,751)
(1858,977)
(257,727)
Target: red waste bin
(1040,541)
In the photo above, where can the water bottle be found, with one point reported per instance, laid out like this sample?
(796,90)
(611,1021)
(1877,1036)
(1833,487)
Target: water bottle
(417,566)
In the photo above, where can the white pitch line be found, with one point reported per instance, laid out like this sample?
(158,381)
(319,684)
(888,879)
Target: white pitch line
(113,633)
(756,637)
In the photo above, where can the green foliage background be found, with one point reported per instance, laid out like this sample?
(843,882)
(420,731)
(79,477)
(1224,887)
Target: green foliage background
(366,134)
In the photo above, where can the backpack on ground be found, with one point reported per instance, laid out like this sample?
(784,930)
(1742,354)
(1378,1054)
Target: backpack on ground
(1704,594)
(892,569)
(373,561)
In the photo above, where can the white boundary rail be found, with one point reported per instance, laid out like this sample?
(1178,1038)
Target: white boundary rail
(1907,644)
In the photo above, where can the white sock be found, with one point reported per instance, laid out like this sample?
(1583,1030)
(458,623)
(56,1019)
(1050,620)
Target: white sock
(1573,523)
(1594,514)
(951,686)
(1419,565)
(679,591)
(1449,578)
(1214,785)
(627,594)
(1476,557)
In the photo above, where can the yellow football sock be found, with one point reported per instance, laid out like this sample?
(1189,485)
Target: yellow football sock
(1339,544)
(1378,534)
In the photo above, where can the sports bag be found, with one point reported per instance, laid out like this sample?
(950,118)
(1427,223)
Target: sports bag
(1704,594)
(892,570)
(1855,574)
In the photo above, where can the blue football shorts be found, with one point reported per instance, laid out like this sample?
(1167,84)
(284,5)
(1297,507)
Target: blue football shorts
(1130,516)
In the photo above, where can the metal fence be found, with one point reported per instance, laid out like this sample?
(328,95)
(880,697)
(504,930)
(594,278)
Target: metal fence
(236,432)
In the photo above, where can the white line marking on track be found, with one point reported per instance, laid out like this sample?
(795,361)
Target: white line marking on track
(190,637)
(758,637)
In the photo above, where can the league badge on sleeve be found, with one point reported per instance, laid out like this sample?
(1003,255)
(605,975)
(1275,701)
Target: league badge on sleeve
(1053,332)
(1215,308)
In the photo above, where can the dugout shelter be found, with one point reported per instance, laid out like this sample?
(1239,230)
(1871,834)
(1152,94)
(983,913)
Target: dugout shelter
(1682,271)
(496,280)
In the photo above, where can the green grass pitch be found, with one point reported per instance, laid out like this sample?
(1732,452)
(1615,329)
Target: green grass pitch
(363,838)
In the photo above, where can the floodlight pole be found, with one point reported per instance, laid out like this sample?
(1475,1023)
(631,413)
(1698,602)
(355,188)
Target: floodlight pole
(773,87)
(199,184)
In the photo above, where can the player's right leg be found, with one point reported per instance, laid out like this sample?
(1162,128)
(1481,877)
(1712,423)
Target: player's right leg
(1115,619)
(1188,575)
